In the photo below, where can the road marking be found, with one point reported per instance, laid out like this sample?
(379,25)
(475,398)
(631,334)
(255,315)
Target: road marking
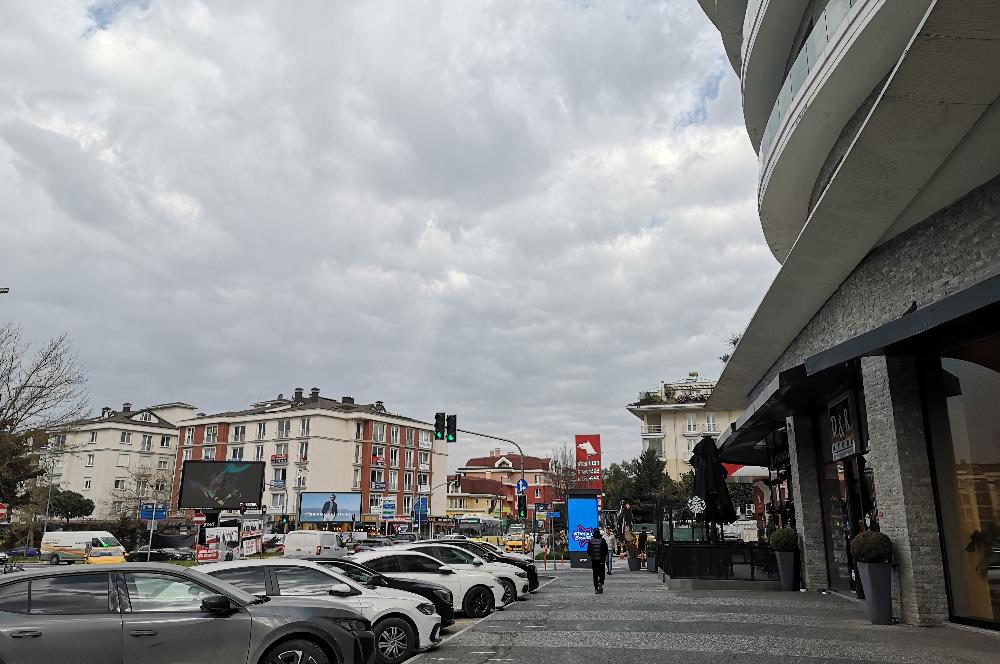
(483,652)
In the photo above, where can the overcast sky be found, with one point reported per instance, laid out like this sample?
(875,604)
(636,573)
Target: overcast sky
(520,212)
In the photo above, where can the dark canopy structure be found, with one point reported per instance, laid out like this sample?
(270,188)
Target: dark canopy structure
(710,483)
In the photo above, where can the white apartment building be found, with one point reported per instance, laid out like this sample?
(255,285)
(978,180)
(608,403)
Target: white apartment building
(118,455)
(674,418)
(317,444)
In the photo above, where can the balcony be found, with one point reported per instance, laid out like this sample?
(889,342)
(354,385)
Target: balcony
(424,488)
(279,459)
(652,430)
(701,430)
(424,466)
(303,459)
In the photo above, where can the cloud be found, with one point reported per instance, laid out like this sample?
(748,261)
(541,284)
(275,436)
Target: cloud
(521,212)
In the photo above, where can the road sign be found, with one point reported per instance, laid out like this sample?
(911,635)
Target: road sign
(3,511)
(553,515)
(150,511)
(522,485)
(540,515)
(199,519)
(388,510)
(541,507)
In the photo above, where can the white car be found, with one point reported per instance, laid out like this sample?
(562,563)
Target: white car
(475,594)
(402,622)
(500,552)
(513,579)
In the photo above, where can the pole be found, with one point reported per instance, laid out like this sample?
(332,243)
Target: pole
(152,527)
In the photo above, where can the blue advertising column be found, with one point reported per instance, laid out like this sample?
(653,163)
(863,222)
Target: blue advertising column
(581,522)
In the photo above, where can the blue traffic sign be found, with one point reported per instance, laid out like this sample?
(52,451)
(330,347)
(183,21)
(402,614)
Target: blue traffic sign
(147,512)
(553,515)
(522,485)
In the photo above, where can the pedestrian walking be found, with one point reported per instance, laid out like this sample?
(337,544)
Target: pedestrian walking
(597,552)
(643,536)
(612,545)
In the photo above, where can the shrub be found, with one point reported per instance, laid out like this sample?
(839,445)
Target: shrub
(651,547)
(871,547)
(784,539)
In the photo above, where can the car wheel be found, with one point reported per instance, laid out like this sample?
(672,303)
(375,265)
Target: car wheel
(478,602)
(509,591)
(54,559)
(395,641)
(296,651)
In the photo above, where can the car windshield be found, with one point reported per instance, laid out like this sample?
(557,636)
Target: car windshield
(234,592)
(360,574)
(109,541)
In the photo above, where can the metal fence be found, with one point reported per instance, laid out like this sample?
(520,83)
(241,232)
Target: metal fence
(749,561)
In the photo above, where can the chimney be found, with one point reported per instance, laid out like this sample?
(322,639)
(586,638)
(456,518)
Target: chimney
(126,407)
(496,452)
(347,400)
(692,375)
(105,412)
(314,394)
(298,395)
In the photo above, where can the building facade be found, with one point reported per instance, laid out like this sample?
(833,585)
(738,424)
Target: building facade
(471,495)
(674,418)
(120,458)
(870,368)
(506,469)
(311,443)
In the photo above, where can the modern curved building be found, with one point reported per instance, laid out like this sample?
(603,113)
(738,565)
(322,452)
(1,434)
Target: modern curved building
(871,369)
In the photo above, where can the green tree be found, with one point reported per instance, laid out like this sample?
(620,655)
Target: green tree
(648,475)
(741,493)
(70,505)
(617,485)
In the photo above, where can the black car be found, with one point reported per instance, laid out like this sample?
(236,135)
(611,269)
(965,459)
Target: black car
(144,613)
(159,555)
(433,592)
(491,556)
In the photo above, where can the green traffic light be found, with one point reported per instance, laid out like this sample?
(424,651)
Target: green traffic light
(451,439)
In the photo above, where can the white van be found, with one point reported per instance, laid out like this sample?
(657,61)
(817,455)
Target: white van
(315,544)
(89,546)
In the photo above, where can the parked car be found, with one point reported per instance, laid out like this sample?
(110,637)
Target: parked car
(314,543)
(89,546)
(476,594)
(372,543)
(405,537)
(159,554)
(492,554)
(402,622)
(435,593)
(21,552)
(513,579)
(165,613)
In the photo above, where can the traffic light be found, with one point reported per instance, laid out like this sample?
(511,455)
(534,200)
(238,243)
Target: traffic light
(439,419)
(522,506)
(452,428)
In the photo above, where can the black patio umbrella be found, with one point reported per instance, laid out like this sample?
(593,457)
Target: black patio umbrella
(710,482)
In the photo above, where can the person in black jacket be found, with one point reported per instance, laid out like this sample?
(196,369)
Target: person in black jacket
(597,552)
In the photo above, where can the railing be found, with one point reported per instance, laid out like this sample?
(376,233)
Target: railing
(749,561)
(652,429)
(303,458)
(809,57)
(278,459)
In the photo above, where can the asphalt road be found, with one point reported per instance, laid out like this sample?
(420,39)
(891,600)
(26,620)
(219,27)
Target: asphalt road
(637,620)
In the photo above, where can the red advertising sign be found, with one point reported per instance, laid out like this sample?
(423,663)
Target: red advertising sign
(588,461)
(206,555)
(3,511)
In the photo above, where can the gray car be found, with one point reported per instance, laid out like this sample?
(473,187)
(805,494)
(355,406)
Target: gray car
(146,613)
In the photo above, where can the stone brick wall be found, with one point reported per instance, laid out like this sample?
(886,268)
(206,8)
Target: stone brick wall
(954,248)
(808,512)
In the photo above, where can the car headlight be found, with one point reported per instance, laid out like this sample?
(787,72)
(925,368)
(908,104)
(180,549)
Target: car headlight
(426,609)
(523,575)
(445,595)
(353,624)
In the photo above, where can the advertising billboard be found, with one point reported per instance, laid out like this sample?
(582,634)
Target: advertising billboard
(329,507)
(588,461)
(221,485)
(581,521)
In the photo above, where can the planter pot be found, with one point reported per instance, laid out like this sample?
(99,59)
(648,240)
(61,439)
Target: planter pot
(651,564)
(876,580)
(786,569)
(634,564)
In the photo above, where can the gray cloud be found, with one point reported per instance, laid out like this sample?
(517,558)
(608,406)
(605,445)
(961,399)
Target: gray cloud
(523,212)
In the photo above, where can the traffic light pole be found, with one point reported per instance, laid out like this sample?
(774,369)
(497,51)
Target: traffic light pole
(503,440)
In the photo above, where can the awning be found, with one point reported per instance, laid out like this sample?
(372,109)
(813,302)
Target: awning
(743,443)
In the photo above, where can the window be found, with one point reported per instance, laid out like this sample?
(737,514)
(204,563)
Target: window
(374,503)
(357,478)
(284,428)
(90,461)
(145,417)
(87,483)
(710,424)
(409,437)
(377,475)
(278,502)
(160,485)
(123,460)
(280,474)
(143,488)
(425,439)
(304,426)
(239,434)
(357,454)
(423,480)
(408,482)
(70,594)
(126,438)
(211,434)
(281,449)
(189,435)
(261,430)
(120,483)
(147,443)
(418,564)
(359,431)
(393,480)
(378,454)
(156,593)
(304,450)
(14,597)
(161,464)
(187,454)
(164,441)
(250,579)
(93,436)
(447,555)
(117,506)
(408,457)
(394,435)
(692,424)
(407,504)
(208,453)
(425,460)
(393,457)
(300,481)
(538,493)
(236,453)
(386,563)
(258,453)
(538,479)
(144,462)
(303,581)
(378,432)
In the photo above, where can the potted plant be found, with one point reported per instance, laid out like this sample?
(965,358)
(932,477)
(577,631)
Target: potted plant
(651,555)
(785,542)
(872,553)
(632,546)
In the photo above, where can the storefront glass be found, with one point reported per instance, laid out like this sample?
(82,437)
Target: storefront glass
(962,396)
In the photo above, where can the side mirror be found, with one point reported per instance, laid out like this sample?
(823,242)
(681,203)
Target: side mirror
(379,580)
(445,570)
(477,562)
(216,604)
(342,590)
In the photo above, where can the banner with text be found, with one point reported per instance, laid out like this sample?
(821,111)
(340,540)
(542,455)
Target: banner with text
(588,461)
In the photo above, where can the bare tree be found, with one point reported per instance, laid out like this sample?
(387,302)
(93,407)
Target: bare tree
(142,485)
(562,471)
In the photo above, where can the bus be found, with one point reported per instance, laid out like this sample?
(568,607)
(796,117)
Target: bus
(483,528)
